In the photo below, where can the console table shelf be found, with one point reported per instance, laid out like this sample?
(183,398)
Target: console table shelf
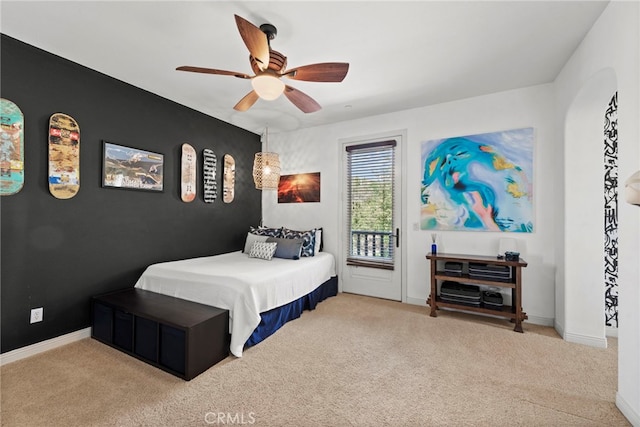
(513,312)
(440,275)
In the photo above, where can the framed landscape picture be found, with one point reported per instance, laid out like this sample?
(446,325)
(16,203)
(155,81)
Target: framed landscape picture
(132,168)
(299,188)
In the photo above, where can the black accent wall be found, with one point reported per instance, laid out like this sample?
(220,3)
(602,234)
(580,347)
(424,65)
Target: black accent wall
(56,253)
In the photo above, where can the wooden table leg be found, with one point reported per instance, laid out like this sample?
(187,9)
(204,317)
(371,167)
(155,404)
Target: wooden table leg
(518,327)
(517,299)
(434,288)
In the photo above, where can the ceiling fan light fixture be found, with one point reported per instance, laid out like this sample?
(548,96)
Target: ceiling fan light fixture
(270,66)
(267,86)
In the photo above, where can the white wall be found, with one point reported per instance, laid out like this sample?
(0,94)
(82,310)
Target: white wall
(564,169)
(612,48)
(317,150)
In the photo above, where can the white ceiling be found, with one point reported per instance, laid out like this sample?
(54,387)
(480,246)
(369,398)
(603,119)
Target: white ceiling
(402,54)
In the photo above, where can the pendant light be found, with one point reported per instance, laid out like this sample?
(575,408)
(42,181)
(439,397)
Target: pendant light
(266,168)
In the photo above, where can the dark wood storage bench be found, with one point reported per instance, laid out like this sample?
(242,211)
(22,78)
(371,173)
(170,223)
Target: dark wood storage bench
(181,337)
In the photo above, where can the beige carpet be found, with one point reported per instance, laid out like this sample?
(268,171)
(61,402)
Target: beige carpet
(354,361)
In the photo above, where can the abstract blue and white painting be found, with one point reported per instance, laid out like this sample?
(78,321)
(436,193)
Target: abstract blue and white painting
(478,182)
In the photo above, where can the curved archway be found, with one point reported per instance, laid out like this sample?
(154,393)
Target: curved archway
(584,288)
(584,282)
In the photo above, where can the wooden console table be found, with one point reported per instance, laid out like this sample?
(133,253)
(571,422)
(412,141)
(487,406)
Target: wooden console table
(513,312)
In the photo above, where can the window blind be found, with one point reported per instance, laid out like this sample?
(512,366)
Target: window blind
(370,202)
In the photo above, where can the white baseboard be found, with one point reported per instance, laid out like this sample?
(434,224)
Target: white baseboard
(626,409)
(559,328)
(539,320)
(611,332)
(586,340)
(416,301)
(31,350)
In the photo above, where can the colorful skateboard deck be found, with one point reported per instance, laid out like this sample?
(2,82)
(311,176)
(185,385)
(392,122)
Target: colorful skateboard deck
(209,166)
(64,156)
(188,181)
(229,180)
(11,148)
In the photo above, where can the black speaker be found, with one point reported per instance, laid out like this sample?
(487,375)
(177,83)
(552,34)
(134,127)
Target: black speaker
(512,256)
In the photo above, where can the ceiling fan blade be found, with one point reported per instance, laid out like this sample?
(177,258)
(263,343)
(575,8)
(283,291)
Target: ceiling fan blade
(324,72)
(301,100)
(214,71)
(255,40)
(245,103)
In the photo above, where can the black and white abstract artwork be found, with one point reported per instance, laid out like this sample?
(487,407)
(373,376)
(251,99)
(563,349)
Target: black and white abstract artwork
(611,212)
(209,168)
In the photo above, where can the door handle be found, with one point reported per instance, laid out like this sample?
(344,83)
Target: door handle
(397,237)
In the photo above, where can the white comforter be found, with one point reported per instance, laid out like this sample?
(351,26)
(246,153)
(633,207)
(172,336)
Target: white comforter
(245,286)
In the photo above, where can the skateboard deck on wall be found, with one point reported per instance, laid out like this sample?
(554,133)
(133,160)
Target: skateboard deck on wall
(209,167)
(64,156)
(11,148)
(188,173)
(229,179)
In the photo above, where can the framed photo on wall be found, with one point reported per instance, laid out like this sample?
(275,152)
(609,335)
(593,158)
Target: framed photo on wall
(299,188)
(132,168)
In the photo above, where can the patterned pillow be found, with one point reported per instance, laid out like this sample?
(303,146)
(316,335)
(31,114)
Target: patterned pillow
(266,231)
(309,237)
(263,250)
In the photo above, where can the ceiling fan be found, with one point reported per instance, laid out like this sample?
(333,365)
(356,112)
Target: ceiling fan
(269,66)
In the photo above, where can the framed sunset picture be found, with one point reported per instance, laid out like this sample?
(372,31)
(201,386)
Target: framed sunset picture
(299,188)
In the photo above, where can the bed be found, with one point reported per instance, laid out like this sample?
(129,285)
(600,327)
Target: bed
(261,295)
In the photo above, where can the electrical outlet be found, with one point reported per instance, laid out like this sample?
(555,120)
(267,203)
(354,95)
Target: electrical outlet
(37,314)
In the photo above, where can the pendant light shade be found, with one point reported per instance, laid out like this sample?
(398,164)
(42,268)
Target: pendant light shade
(267,86)
(266,169)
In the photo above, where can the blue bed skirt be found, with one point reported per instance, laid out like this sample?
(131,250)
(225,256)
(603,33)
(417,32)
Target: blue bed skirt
(273,320)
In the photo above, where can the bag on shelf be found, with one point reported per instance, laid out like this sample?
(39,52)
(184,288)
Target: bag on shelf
(453,268)
(492,299)
(460,293)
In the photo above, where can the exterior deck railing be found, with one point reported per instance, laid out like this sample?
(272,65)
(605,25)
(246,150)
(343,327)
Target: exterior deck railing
(374,244)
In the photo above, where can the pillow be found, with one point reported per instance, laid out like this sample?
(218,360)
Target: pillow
(318,247)
(263,250)
(309,238)
(287,248)
(266,231)
(251,239)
